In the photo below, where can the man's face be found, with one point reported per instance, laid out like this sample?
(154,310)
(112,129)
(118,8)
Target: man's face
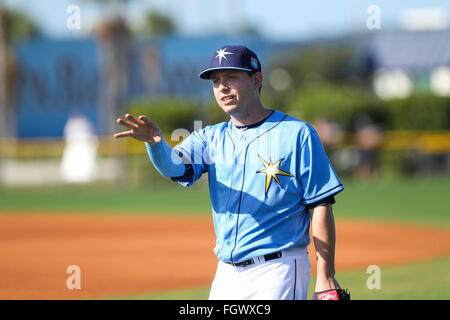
(233,90)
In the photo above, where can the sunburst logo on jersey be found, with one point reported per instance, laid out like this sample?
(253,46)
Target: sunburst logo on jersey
(271,170)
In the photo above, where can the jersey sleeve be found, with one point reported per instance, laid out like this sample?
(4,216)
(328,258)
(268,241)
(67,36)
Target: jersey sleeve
(316,174)
(193,151)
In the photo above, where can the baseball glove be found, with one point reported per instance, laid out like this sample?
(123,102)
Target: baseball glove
(332,294)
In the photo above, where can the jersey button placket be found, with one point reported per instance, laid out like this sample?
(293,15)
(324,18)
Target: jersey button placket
(238,176)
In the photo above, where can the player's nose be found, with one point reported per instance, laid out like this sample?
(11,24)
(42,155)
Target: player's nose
(223,87)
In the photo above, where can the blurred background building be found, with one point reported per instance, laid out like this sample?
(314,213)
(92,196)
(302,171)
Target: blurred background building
(385,90)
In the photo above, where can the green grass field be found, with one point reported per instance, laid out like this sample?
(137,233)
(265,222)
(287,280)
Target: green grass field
(420,201)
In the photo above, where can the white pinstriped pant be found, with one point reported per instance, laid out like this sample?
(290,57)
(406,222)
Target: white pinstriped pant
(284,278)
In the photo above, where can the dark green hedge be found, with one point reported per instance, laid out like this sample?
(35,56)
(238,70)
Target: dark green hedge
(345,104)
(419,112)
(171,114)
(168,114)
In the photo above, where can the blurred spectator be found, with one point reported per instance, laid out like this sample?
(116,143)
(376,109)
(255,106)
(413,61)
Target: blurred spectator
(368,140)
(329,132)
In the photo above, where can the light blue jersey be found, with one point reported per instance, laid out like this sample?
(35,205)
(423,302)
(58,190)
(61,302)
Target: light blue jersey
(260,181)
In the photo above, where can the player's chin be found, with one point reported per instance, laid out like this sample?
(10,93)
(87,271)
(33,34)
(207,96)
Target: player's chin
(229,108)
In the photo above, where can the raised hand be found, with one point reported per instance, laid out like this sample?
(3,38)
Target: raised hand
(142,129)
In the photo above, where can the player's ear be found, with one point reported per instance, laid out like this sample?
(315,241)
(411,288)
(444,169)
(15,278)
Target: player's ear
(258,80)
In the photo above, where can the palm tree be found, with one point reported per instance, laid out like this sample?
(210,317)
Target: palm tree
(114,39)
(14,27)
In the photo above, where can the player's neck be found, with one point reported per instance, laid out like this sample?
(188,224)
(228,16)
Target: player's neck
(250,116)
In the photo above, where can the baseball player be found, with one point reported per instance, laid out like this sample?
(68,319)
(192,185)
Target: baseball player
(269,181)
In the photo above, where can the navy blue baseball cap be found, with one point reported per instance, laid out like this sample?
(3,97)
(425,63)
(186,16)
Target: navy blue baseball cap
(232,57)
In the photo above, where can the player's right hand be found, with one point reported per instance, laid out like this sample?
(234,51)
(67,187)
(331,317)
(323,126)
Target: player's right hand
(142,129)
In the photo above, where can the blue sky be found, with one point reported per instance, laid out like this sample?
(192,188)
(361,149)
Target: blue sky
(281,19)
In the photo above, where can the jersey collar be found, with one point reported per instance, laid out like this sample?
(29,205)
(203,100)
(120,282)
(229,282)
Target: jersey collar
(275,117)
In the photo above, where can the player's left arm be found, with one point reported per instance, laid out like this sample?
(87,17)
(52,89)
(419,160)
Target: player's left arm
(324,238)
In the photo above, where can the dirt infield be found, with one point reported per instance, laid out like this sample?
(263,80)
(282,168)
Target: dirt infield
(128,255)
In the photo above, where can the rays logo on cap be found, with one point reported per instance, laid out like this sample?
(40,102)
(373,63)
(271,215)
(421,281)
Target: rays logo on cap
(254,63)
(232,57)
(221,53)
